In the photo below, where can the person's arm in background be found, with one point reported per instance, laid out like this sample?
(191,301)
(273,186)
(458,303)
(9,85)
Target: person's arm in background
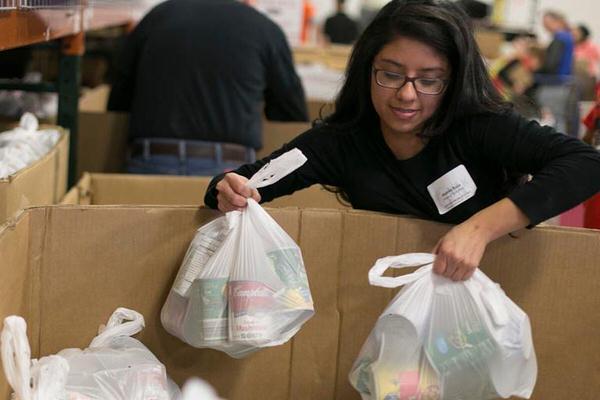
(565,173)
(552,58)
(284,95)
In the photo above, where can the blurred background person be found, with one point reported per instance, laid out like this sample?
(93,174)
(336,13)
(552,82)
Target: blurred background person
(559,56)
(587,62)
(586,51)
(196,77)
(478,11)
(556,92)
(339,28)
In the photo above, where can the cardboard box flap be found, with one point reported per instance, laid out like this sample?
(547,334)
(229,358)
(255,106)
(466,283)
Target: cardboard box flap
(122,189)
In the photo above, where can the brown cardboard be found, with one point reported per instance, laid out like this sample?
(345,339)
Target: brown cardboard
(94,100)
(66,268)
(102,142)
(319,109)
(112,189)
(276,134)
(489,42)
(332,56)
(43,182)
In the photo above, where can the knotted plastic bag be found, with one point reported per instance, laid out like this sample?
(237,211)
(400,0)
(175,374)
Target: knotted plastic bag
(115,366)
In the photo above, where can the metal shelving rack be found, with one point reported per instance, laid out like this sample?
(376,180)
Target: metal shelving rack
(27,22)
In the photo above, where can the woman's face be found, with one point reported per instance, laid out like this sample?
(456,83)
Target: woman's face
(404,111)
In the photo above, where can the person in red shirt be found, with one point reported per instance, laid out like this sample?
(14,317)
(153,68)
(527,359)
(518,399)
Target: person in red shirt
(591,216)
(586,50)
(592,122)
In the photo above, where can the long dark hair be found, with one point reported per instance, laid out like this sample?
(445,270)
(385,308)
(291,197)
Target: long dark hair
(440,24)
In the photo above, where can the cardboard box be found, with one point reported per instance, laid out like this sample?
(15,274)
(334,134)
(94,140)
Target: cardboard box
(43,182)
(66,268)
(113,189)
(319,109)
(103,138)
(102,142)
(489,42)
(276,134)
(332,56)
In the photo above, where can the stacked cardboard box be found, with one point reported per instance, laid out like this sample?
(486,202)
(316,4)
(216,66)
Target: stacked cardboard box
(111,189)
(65,268)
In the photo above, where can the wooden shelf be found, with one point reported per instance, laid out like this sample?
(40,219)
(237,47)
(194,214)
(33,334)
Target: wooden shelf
(24,27)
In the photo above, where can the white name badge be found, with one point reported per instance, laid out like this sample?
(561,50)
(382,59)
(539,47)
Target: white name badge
(452,189)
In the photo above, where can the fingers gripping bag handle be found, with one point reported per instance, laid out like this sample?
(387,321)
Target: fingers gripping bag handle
(277,168)
(409,260)
(16,356)
(117,326)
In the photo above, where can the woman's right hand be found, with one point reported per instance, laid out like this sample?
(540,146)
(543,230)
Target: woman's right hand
(233,192)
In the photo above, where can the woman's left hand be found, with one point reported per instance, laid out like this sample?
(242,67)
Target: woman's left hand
(460,251)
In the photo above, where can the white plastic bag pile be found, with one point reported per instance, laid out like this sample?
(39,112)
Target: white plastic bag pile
(242,284)
(24,145)
(16,102)
(444,340)
(115,366)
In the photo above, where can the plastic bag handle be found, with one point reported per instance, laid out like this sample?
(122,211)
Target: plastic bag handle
(423,260)
(16,356)
(117,327)
(277,168)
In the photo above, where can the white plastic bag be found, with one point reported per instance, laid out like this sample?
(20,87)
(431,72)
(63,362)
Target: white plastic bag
(24,145)
(440,339)
(114,367)
(197,389)
(242,285)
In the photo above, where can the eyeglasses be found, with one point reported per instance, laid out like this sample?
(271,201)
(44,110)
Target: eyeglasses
(394,80)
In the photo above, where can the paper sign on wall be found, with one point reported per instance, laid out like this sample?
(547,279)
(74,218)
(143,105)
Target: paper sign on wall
(286,13)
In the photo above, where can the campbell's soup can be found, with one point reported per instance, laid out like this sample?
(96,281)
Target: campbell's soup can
(252,306)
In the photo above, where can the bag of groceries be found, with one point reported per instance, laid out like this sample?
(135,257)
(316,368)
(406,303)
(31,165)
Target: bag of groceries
(242,284)
(444,340)
(115,365)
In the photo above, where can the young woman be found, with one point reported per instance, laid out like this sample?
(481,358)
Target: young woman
(419,129)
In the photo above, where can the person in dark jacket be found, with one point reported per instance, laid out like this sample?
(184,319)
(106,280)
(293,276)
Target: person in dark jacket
(196,77)
(340,28)
(419,129)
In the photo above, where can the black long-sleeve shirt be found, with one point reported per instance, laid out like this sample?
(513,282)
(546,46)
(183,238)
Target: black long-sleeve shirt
(493,148)
(203,69)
